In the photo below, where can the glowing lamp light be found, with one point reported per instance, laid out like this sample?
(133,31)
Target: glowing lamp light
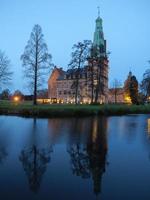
(16,99)
(148,122)
(127,99)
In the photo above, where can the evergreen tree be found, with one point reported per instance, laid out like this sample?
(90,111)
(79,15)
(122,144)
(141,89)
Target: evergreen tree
(127,84)
(5,95)
(133,89)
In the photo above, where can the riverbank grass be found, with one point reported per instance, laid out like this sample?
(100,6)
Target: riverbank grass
(26,109)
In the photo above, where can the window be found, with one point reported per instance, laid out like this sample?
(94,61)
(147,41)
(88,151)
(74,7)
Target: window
(101,49)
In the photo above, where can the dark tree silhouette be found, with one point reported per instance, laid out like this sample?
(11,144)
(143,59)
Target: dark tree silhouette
(34,162)
(91,77)
(95,73)
(116,85)
(78,59)
(127,84)
(5,95)
(145,84)
(79,161)
(36,60)
(101,77)
(99,89)
(133,88)
(5,73)
(3,154)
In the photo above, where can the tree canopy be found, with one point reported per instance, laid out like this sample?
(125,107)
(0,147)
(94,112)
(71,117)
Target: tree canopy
(36,60)
(145,85)
(5,73)
(133,88)
(79,57)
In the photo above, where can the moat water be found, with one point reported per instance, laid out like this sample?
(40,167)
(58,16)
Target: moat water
(106,158)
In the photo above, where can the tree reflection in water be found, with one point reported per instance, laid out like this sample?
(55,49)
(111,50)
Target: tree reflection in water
(34,161)
(79,161)
(3,154)
(4,140)
(89,160)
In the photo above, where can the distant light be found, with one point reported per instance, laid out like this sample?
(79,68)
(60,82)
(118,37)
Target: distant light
(148,124)
(16,98)
(128,99)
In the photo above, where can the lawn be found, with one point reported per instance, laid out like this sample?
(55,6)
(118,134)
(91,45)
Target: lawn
(28,110)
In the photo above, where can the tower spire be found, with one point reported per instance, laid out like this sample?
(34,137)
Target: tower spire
(98,11)
(99,40)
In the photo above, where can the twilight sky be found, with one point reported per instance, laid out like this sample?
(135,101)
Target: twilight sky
(126,26)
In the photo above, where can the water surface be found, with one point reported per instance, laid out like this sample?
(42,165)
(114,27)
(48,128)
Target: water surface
(105,158)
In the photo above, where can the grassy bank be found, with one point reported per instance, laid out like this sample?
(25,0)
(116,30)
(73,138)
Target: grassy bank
(28,110)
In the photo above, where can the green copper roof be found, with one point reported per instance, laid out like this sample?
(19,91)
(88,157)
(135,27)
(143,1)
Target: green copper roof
(98,34)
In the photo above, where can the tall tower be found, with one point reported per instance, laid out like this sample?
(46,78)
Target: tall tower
(99,54)
(99,42)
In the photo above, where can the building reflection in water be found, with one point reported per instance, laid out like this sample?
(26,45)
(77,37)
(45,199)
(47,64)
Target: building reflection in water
(148,127)
(67,130)
(34,160)
(89,159)
(146,137)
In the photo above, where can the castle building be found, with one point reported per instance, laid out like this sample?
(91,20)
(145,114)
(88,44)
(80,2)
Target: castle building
(121,94)
(92,78)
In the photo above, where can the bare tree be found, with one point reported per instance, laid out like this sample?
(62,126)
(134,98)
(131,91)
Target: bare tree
(36,60)
(116,85)
(145,84)
(101,77)
(5,73)
(91,72)
(96,77)
(78,60)
(99,87)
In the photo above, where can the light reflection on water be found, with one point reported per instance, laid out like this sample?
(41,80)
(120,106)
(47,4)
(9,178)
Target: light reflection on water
(93,158)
